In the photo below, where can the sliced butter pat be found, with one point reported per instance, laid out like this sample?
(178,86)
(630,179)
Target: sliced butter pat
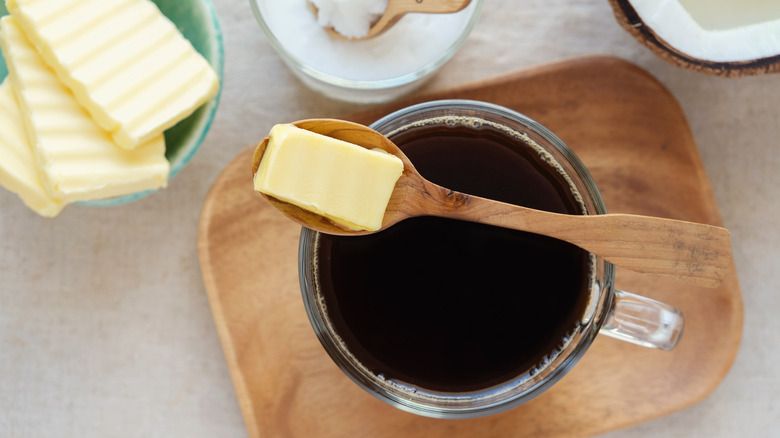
(344,182)
(78,160)
(18,168)
(126,63)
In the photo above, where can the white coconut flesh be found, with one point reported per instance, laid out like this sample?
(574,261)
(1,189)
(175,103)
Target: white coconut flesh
(715,30)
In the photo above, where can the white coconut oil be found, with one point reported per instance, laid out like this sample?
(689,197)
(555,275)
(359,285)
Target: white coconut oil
(351,18)
(416,42)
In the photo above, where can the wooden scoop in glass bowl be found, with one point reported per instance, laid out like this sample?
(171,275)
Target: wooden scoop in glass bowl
(696,253)
(396,9)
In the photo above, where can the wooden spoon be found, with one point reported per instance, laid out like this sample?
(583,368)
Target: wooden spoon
(697,253)
(398,8)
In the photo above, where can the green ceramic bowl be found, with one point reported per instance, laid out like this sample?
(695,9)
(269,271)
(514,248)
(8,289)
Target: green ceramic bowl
(197,21)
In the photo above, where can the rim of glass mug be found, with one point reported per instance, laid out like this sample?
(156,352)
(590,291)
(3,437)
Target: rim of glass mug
(612,312)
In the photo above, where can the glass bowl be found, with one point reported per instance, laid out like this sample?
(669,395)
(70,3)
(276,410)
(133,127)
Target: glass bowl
(197,21)
(372,71)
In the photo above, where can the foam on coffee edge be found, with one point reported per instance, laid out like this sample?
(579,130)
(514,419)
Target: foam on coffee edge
(474,123)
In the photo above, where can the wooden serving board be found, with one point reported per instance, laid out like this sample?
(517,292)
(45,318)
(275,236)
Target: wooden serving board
(629,131)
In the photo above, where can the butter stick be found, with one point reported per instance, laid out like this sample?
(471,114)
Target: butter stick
(348,184)
(125,62)
(77,160)
(18,167)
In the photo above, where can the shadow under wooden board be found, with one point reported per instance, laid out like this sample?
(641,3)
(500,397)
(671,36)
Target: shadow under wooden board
(632,135)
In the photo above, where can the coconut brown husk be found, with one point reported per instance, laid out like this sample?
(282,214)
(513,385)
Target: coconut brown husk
(632,22)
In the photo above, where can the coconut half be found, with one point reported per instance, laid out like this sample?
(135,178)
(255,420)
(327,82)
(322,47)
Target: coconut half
(722,37)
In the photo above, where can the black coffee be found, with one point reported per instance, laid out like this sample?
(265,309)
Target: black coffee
(455,306)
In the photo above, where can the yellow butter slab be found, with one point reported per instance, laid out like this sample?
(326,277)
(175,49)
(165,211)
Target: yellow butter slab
(126,63)
(78,160)
(18,167)
(344,182)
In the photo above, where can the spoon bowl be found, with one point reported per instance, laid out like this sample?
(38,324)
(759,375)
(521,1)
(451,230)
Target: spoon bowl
(696,253)
(352,133)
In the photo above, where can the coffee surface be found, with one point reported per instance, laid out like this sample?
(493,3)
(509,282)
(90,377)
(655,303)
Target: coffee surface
(455,306)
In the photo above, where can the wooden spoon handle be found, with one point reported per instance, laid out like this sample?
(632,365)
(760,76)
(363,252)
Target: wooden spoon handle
(697,253)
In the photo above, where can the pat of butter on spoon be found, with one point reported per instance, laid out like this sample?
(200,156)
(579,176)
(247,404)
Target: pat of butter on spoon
(697,253)
(347,184)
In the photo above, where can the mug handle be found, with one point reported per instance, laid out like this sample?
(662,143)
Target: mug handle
(643,321)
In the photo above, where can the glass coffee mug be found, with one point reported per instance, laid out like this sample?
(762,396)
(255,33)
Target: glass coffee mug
(452,319)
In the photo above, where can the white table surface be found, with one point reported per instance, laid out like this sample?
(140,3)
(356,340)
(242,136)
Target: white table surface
(105,328)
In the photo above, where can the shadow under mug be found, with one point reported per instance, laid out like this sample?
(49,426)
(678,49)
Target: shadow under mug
(608,311)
